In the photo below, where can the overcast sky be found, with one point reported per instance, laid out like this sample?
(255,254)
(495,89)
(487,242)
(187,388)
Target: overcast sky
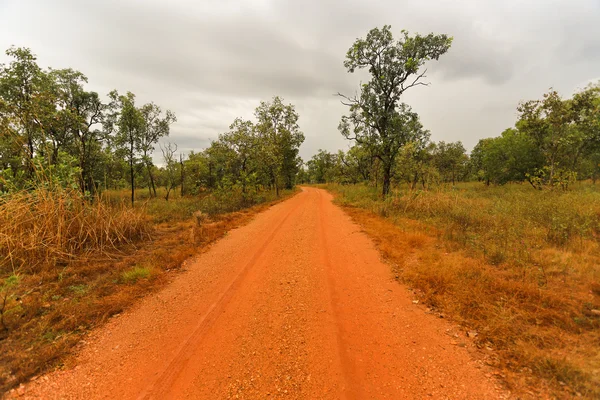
(211,61)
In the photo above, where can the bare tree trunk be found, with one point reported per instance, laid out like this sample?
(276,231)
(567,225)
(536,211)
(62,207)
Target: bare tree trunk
(182,172)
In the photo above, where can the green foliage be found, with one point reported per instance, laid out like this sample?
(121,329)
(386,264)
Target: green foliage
(554,141)
(251,157)
(135,274)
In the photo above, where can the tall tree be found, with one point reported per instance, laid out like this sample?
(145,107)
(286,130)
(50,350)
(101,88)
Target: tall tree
(154,127)
(127,122)
(22,85)
(280,139)
(77,113)
(377,118)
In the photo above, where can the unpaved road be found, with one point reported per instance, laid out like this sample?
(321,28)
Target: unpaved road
(297,305)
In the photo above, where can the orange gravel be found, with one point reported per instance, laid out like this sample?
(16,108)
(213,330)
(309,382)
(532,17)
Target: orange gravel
(297,304)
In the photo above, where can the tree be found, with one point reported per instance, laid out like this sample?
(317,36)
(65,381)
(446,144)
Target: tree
(451,160)
(563,131)
(280,138)
(22,85)
(415,164)
(377,118)
(511,157)
(77,112)
(171,167)
(241,142)
(321,167)
(128,124)
(155,126)
(357,164)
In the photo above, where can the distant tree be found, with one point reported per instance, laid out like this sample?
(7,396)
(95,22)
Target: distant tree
(511,157)
(127,122)
(378,120)
(171,168)
(321,167)
(563,131)
(280,138)
(451,160)
(154,127)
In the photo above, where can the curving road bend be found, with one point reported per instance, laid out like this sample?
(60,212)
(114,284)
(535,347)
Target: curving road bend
(297,304)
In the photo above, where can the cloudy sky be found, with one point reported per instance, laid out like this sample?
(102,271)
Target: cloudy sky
(211,61)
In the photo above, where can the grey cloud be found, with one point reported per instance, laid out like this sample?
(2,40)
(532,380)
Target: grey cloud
(213,61)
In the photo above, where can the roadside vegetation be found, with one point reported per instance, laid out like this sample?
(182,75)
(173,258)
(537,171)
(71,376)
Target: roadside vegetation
(517,269)
(88,221)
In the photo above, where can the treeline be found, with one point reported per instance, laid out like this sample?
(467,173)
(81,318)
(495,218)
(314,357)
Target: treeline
(52,129)
(554,143)
(415,165)
(250,157)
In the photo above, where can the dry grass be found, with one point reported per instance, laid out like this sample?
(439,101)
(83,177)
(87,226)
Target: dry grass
(519,267)
(54,297)
(48,228)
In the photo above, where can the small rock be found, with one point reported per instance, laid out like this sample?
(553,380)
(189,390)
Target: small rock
(471,334)
(595,312)
(415,301)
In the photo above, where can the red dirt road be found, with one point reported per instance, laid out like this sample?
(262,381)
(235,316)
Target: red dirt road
(297,304)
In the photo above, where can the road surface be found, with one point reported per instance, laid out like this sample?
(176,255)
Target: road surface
(297,304)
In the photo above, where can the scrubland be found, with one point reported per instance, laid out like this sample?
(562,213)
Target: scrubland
(518,268)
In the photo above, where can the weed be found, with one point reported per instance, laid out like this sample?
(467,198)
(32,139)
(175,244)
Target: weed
(134,274)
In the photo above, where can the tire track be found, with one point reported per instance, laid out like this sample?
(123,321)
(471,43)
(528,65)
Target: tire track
(158,389)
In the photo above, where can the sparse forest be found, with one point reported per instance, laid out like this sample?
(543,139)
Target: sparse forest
(97,206)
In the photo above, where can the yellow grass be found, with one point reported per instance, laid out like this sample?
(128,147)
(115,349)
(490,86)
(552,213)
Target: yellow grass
(44,229)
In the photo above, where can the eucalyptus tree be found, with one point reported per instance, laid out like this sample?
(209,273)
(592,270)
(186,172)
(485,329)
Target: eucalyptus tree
(154,127)
(280,138)
(78,112)
(378,120)
(126,122)
(22,89)
(242,141)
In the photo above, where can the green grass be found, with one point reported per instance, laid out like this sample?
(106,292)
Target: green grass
(135,274)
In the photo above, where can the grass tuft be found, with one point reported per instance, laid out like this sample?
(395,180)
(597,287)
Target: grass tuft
(134,274)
